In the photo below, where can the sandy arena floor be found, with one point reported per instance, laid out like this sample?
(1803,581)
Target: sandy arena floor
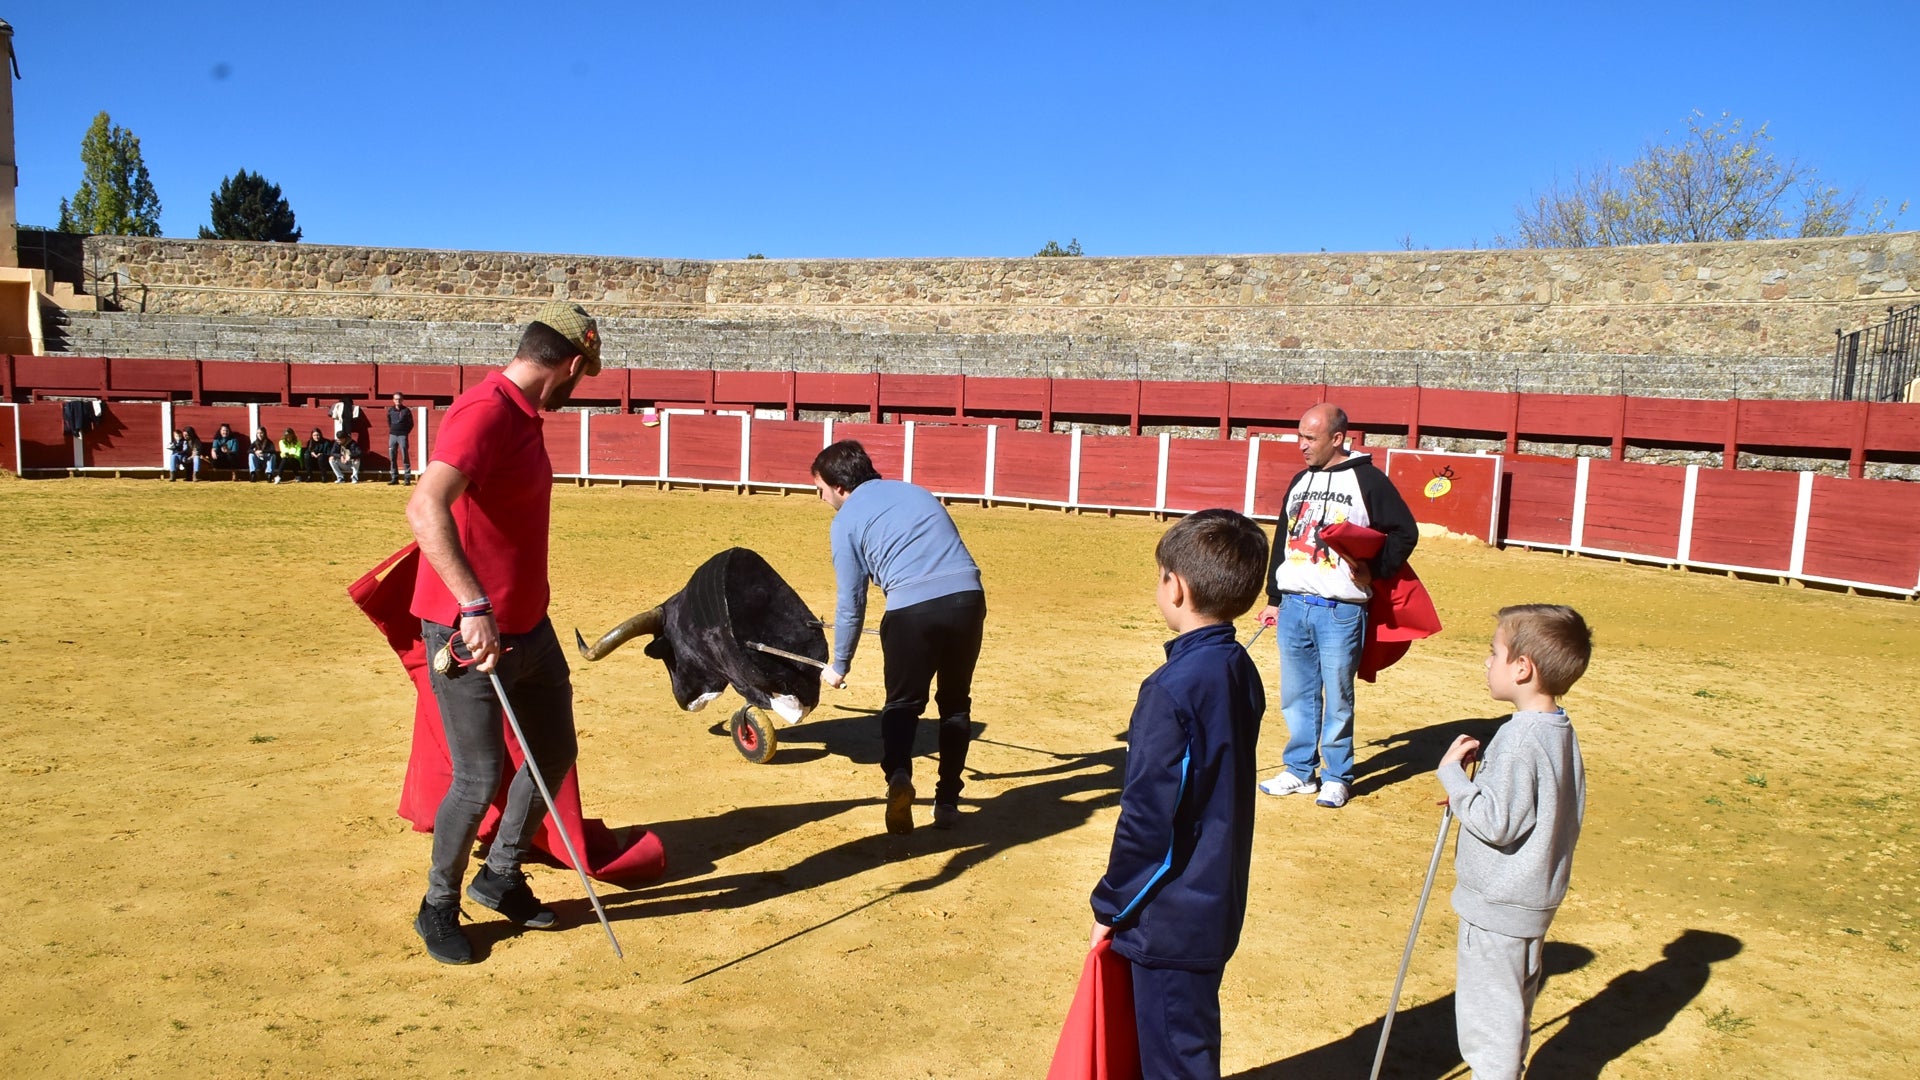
(203,743)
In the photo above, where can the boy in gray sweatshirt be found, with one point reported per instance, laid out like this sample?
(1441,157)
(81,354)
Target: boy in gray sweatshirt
(1519,819)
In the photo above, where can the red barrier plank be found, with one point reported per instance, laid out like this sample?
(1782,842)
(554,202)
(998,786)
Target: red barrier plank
(1893,426)
(704,448)
(999,396)
(251,377)
(68,376)
(1582,417)
(885,444)
(1031,465)
(609,387)
(561,432)
(839,392)
(783,451)
(8,420)
(1376,407)
(1482,411)
(1206,473)
(765,388)
(420,381)
(43,438)
(651,384)
(919,393)
(1272,402)
(1634,508)
(128,436)
(472,375)
(1280,462)
(1166,399)
(1808,424)
(1744,518)
(623,445)
(1119,470)
(355,381)
(1454,491)
(1096,397)
(951,460)
(138,375)
(1670,421)
(1536,499)
(1863,530)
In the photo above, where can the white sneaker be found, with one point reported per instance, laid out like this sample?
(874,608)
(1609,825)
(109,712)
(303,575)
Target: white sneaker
(1333,795)
(1288,784)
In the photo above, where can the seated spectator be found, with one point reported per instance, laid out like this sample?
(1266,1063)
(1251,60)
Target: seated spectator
(262,456)
(185,451)
(346,458)
(224,451)
(180,456)
(290,455)
(315,456)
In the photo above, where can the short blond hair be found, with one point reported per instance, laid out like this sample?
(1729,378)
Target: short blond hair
(1554,637)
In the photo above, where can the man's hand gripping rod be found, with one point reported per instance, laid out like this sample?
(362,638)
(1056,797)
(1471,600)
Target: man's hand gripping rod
(554,813)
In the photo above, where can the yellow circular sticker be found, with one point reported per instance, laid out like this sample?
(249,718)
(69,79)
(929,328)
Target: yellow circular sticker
(1438,486)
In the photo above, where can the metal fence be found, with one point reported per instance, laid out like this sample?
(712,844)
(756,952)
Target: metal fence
(1879,362)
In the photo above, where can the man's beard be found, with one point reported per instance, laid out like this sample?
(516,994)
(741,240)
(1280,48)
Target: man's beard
(558,397)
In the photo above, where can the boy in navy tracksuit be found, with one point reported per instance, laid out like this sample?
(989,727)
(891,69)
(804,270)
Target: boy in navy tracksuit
(1175,891)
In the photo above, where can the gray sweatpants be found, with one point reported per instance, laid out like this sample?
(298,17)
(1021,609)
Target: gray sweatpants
(1495,984)
(534,672)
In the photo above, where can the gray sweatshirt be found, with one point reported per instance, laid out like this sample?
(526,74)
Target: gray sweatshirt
(1519,819)
(899,535)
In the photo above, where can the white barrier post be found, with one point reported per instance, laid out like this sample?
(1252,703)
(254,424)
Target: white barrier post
(166,431)
(585,419)
(906,467)
(666,421)
(1578,536)
(1253,471)
(993,443)
(746,444)
(1073,470)
(1802,512)
(1160,483)
(1684,552)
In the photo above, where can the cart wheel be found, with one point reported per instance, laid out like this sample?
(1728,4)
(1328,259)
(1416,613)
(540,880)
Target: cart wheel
(753,735)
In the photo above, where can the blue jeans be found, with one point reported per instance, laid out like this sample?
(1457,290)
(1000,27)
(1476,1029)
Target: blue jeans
(261,463)
(1319,654)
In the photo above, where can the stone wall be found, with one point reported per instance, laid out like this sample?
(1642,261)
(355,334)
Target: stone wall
(1757,319)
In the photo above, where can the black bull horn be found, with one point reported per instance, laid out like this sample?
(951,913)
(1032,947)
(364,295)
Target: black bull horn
(701,634)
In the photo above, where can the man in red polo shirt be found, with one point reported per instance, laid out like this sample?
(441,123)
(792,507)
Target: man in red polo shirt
(480,514)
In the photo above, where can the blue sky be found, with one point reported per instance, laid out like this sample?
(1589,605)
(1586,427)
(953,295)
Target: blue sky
(835,129)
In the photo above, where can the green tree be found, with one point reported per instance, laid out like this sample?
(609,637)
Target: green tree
(1719,181)
(246,207)
(1054,250)
(116,195)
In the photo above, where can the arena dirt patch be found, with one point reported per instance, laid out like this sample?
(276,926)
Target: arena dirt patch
(203,744)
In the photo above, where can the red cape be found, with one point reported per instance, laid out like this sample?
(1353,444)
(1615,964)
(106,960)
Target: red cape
(625,856)
(1400,613)
(1099,1040)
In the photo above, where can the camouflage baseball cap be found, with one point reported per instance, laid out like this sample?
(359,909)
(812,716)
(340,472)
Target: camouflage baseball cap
(572,322)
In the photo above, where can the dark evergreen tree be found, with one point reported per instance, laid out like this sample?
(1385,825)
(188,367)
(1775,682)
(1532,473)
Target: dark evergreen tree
(248,208)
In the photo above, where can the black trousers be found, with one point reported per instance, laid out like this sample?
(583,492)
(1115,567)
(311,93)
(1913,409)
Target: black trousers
(935,639)
(1177,1014)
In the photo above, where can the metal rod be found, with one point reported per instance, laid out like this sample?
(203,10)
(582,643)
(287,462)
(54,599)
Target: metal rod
(1256,636)
(554,813)
(1406,955)
(785,655)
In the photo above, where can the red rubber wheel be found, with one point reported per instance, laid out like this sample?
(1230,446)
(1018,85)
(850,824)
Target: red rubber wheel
(753,735)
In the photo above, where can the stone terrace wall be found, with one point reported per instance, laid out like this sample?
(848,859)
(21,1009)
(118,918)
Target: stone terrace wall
(1764,298)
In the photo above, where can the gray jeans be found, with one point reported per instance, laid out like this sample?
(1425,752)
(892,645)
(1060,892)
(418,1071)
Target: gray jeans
(535,675)
(1495,984)
(397,453)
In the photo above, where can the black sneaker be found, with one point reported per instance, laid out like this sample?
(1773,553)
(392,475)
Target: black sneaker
(945,814)
(900,804)
(509,895)
(439,927)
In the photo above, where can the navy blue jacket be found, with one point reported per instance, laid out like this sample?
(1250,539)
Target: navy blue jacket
(1175,890)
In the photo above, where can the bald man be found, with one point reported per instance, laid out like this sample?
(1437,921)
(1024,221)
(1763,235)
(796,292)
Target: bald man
(1317,600)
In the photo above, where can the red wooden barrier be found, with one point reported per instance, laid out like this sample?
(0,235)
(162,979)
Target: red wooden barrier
(624,446)
(1006,397)
(128,437)
(783,451)
(1280,462)
(1678,422)
(950,460)
(1031,465)
(441,382)
(1634,509)
(1119,471)
(1272,403)
(43,439)
(650,385)
(920,393)
(1536,500)
(66,376)
(704,447)
(1568,417)
(886,446)
(229,379)
(769,389)
(838,392)
(1894,427)
(1203,474)
(1097,399)
(128,376)
(1458,492)
(1863,530)
(1483,412)
(1376,408)
(561,432)
(1744,519)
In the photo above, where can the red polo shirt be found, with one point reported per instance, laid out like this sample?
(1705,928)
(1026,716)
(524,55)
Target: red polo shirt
(493,436)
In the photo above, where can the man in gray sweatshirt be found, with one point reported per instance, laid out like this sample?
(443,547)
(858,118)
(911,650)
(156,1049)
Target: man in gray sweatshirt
(899,536)
(1519,817)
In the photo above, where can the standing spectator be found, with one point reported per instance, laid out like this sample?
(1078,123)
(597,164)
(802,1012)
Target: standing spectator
(316,456)
(346,459)
(261,456)
(291,455)
(899,535)
(1319,598)
(224,452)
(344,413)
(184,452)
(399,431)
